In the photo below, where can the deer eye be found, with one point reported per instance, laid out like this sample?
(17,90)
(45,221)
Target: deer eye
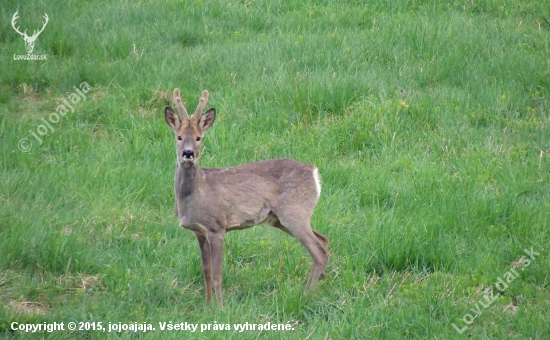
(179,137)
(198,139)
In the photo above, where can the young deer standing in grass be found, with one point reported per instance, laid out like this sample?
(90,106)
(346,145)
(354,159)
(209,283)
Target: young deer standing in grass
(211,202)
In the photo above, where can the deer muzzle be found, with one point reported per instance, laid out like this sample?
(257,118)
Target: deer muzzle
(188,155)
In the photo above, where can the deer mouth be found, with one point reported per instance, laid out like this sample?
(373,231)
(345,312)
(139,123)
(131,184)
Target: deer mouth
(188,158)
(187,163)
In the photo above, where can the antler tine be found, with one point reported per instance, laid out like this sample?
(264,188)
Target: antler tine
(179,104)
(46,18)
(13,23)
(202,104)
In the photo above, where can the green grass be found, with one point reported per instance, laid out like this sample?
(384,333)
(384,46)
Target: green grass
(428,120)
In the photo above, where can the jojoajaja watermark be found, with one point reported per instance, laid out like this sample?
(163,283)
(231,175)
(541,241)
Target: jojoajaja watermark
(501,285)
(25,144)
(29,40)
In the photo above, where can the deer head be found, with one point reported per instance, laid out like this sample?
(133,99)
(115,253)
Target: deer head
(29,41)
(189,130)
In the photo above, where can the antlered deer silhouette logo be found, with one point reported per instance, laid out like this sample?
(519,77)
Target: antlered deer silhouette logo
(29,41)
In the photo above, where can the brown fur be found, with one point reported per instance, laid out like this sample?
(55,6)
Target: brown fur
(211,202)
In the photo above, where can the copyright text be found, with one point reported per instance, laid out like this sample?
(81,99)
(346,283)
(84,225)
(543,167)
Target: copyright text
(147,327)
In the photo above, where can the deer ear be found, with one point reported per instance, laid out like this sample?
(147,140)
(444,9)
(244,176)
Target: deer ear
(207,119)
(172,119)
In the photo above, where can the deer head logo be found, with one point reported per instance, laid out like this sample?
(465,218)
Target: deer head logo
(29,41)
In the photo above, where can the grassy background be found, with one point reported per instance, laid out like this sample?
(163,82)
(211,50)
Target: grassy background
(428,120)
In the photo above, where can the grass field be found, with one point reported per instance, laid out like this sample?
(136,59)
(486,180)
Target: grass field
(428,121)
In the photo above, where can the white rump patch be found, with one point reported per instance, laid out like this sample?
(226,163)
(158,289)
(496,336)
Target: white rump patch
(317,181)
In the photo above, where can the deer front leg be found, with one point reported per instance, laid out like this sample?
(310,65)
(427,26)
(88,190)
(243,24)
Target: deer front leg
(206,259)
(216,248)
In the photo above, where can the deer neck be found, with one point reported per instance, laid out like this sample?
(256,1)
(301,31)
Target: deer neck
(186,182)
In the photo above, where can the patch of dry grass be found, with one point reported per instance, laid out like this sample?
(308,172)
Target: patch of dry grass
(23,306)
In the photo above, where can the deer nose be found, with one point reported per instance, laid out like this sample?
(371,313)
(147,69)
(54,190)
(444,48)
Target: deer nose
(188,154)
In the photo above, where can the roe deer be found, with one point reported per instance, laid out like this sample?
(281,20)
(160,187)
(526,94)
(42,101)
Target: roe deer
(211,202)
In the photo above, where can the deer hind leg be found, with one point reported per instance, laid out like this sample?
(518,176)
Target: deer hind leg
(324,242)
(315,243)
(318,253)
